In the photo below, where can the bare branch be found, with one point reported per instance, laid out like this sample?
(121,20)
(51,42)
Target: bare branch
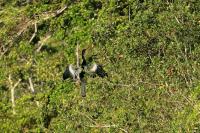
(30,23)
(31,85)
(123,130)
(129,12)
(77,57)
(177,20)
(107,126)
(10,80)
(42,42)
(58,12)
(90,119)
(77,64)
(102,126)
(37,103)
(54,14)
(12,89)
(34,34)
(96,125)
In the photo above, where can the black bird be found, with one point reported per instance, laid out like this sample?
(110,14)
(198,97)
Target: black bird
(79,74)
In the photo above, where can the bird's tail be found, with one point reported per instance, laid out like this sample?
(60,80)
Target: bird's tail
(83,88)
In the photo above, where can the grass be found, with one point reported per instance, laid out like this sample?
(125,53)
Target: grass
(149,49)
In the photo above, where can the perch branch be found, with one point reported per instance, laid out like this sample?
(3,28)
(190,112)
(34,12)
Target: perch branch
(13,92)
(77,63)
(77,57)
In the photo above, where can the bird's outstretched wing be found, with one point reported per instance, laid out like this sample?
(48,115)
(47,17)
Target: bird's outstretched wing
(66,73)
(98,69)
(101,72)
(69,72)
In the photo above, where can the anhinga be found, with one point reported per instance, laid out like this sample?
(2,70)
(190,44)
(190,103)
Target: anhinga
(79,74)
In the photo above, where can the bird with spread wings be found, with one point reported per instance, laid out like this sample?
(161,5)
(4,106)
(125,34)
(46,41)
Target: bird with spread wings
(78,74)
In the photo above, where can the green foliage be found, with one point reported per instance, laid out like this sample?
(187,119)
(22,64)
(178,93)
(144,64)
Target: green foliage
(150,50)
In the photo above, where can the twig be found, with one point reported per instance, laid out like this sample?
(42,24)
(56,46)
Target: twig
(123,130)
(34,34)
(129,12)
(30,23)
(55,14)
(37,103)
(31,85)
(107,126)
(33,90)
(77,57)
(93,121)
(177,20)
(13,92)
(3,52)
(58,12)
(96,125)
(42,42)
(77,64)
(102,126)
(123,85)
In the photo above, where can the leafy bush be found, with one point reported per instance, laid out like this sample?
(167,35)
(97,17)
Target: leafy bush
(150,50)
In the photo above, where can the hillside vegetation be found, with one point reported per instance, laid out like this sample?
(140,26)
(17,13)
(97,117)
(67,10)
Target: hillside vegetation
(150,50)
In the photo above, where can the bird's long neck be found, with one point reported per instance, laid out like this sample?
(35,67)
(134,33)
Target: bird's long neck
(83,55)
(84,63)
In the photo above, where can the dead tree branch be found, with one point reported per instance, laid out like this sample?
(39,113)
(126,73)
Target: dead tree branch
(77,63)
(52,15)
(58,12)
(42,42)
(102,126)
(12,89)
(77,56)
(3,50)
(34,34)
(30,23)
(31,85)
(108,126)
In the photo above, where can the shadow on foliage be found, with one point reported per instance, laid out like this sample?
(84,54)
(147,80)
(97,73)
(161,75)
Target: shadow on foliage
(49,49)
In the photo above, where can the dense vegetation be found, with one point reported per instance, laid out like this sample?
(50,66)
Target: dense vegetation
(150,50)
